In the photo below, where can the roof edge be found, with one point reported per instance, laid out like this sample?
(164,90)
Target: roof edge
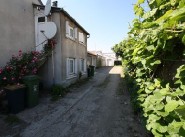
(57,9)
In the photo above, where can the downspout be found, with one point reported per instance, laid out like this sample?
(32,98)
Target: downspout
(53,61)
(53,65)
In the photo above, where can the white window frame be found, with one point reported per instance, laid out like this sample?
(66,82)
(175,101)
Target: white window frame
(68,31)
(73,73)
(71,68)
(71,32)
(82,65)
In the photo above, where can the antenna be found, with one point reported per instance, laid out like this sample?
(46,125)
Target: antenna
(47,8)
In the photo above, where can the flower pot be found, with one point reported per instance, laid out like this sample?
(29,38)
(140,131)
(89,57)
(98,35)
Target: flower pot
(16,98)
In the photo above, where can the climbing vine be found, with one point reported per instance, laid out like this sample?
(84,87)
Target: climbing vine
(154,54)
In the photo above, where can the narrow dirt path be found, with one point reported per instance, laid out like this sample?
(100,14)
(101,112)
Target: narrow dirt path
(100,108)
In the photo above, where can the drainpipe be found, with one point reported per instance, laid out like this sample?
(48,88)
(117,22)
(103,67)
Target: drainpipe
(53,61)
(53,64)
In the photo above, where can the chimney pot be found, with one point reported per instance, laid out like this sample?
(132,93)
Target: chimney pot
(55,3)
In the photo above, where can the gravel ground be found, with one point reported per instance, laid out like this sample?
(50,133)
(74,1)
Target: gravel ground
(100,107)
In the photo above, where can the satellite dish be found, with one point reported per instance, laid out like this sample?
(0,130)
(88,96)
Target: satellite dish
(48,29)
(47,8)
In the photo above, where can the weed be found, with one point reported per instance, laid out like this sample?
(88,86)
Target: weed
(12,119)
(58,91)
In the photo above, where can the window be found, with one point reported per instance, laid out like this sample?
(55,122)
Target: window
(82,64)
(41,19)
(70,31)
(71,67)
(81,38)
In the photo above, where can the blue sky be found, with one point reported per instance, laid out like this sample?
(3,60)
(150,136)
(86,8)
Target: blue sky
(107,21)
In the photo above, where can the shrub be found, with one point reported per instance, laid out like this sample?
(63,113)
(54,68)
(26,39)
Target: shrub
(57,91)
(24,64)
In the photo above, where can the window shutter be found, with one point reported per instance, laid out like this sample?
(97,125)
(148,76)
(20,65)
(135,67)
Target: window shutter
(67,67)
(85,65)
(76,33)
(67,28)
(81,37)
(80,63)
(76,65)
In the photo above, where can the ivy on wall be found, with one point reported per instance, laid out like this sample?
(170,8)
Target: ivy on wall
(154,54)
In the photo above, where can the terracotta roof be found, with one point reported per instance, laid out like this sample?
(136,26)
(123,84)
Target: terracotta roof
(57,9)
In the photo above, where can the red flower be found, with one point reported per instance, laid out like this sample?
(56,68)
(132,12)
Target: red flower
(1,71)
(34,71)
(20,53)
(7,68)
(4,78)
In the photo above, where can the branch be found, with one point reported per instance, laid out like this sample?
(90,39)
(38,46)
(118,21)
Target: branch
(175,31)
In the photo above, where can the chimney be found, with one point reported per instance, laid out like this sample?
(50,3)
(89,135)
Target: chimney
(55,3)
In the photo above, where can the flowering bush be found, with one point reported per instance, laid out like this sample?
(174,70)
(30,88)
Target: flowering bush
(24,64)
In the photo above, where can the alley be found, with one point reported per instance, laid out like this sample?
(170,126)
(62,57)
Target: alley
(99,108)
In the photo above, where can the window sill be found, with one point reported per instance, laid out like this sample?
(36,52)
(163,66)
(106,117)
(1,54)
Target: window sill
(71,76)
(83,73)
(71,38)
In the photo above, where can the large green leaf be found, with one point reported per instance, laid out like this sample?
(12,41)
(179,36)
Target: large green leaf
(173,2)
(161,7)
(150,13)
(180,72)
(181,3)
(151,47)
(183,39)
(157,82)
(138,10)
(171,106)
(181,111)
(164,17)
(174,127)
(161,129)
(140,1)
(146,25)
(162,113)
(155,62)
(178,14)
(164,91)
(158,2)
